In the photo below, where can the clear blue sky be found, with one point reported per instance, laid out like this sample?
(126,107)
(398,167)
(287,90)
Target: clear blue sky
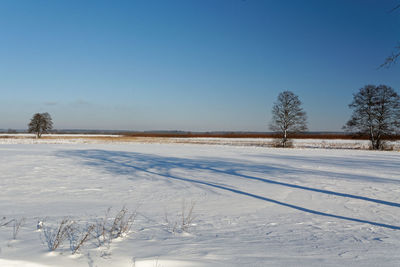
(189,65)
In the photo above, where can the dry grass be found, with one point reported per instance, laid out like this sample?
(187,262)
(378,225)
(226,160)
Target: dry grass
(54,237)
(17,226)
(258,135)
(4,221)
(183,221)
(135,137)
(78,237)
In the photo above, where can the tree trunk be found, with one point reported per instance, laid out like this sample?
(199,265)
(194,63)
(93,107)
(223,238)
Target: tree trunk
(284,140)
(378,142)
(371,137)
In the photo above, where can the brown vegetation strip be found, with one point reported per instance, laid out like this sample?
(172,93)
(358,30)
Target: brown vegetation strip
(139,136)
(258,135)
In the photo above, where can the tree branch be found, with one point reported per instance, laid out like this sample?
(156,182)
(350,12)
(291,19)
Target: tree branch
(392,59)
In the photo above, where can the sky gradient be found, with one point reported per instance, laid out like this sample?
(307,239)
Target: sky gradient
(204,65)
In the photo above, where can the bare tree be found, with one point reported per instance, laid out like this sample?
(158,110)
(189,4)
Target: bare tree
(40,123)
(288,116)
(376,112)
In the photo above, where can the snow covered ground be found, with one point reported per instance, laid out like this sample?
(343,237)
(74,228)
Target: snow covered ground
(253,206)
(118,139)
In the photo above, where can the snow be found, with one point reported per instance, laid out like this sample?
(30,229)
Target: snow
(118,139)
(253,206)
(57,135)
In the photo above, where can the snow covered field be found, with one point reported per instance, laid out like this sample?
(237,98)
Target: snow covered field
(118,139)
(253,206)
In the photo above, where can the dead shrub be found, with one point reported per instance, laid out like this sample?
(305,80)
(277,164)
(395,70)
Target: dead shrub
(100,229)
(279,143)
(54,237)
(122,223)
(17,226)
(78,237)
(386,146)
(108,228)
(103,231)
(4,221)
(184,220)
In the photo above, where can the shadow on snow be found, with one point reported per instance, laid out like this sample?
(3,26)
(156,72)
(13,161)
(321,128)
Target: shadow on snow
(125,163)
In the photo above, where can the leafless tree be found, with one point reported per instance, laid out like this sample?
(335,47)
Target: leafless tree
(288,116)
(40,123)
(376,112)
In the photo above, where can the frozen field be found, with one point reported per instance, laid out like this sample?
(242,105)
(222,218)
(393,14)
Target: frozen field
(119,139)
(253,206)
